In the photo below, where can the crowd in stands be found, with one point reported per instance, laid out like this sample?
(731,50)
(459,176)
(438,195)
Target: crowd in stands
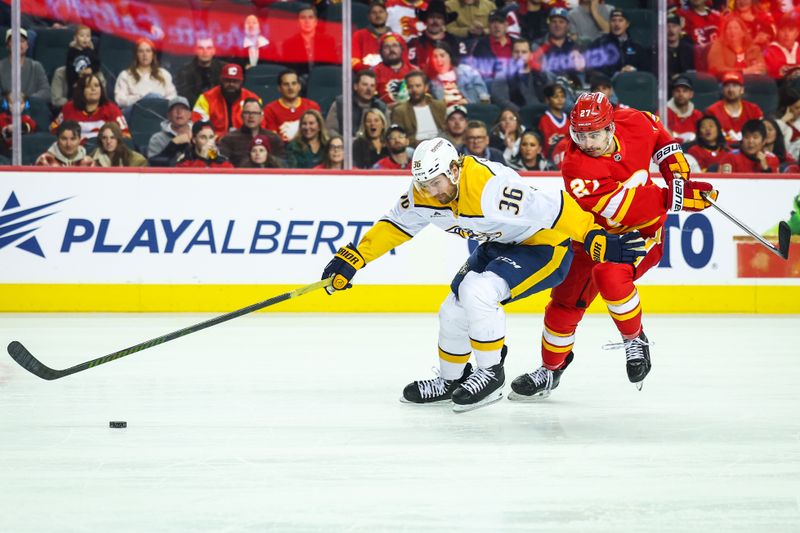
(497,78)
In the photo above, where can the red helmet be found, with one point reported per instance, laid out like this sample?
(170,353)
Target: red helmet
(592,112)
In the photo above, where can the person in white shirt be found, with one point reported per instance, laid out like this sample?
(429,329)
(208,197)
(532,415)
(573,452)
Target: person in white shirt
(144,78)
(422,116)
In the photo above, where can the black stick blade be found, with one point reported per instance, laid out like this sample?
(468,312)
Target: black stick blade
(26,360)
(784,239)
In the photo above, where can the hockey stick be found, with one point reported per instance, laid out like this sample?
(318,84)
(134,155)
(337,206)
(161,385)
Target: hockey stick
(784,231)
(21,355)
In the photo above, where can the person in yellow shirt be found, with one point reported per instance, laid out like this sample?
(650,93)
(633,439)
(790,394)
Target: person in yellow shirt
(524,235)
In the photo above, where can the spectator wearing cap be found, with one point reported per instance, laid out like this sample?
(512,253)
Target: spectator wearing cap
(783,54)
(175,135)
(201,73)
(616,51)
(369,145)
(472,18)
(452,82)
(554,124)
(283,115)
(534,21)
(309,45)
(144,78)
(235,145)
(751,156)
(435,18)
(391,71)
(366,41)
(421,117)
(222,105)
(203,152)
(700,22)
(33,79)
(682,116)
(735,51)
(680,49)
(589,20)
(455,126)
(492,53)
(365,97)
(477,143)
(400,152)
(259,154)
(520,86)
(732,111)
(556,53)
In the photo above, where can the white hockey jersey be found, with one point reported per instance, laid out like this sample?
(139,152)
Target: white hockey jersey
(494,204)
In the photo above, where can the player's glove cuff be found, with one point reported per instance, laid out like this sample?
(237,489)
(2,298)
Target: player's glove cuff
(343,267)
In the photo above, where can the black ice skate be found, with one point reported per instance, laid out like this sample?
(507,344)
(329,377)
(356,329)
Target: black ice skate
(434,391)
(483,387)
(637,358)
(538,384)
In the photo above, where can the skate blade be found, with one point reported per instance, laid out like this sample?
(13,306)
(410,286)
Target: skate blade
(438,403)
(639,385)
(516,397)
(489,400)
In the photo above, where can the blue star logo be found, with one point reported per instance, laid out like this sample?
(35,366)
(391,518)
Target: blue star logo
(16,225)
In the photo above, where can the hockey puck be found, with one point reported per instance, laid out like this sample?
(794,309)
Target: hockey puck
(117,424)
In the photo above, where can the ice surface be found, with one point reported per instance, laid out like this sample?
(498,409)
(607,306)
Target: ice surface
(292,423)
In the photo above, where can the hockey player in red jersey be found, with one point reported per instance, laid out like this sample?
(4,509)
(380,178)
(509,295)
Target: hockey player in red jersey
(605,169)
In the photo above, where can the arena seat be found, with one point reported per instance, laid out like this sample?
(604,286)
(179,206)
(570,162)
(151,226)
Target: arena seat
(643,26)
(531,113)
(486,113)
(40,112)
(51,48)
(637,89)
(761,90)
(146,118)
(116,54)
(324,85)
(706,89)
(35,144)
(359,14)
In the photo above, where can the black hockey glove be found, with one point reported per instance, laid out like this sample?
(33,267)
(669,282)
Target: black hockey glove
(343,267)
(603,246)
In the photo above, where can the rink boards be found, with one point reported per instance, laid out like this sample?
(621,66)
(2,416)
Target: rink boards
(195,241)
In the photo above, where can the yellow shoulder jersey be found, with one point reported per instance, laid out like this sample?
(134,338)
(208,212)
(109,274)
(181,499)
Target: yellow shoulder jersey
(493,204)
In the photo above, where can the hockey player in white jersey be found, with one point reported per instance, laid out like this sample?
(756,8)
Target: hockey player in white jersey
(524,237)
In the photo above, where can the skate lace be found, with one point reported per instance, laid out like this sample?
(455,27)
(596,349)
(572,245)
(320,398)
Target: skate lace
(542,376)
(634,348)
(430,388)
(478,379)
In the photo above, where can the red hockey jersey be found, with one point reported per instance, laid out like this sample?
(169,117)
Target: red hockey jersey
(684,128)
(709,160)
(702,29)
(736,161)
(553,130)
(617,187)
(285,121)
(732,126)
(91,122)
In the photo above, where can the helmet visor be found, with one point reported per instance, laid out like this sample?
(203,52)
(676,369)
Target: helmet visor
(593,142)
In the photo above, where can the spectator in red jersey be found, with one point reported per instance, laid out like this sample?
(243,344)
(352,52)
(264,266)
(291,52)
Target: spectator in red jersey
(222,105)
(732,111)
(28,125)
(709,146)
(775,143)
(682,116)
(751,156)
(334,154)
(203,152)
(680,49)
(455,126)
(422,116)
(554,124)
(700,22)
(310,45)
(759,24)
(492,53)
(370,143)
(399,157)
(472,17)
(557,155)
(308,146)
(435,17)
(530,154)
(506,134)
(91,108)
(390,73)
(67,150)
(283,115)
(236,144)
(735,51)
(454,83)
(259,155)
(366,41)
(783,54)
